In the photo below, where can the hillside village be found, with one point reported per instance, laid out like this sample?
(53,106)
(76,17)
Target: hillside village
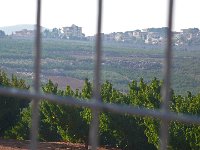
(149,36)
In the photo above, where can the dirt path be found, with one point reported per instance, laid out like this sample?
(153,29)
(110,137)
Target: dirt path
(24,145)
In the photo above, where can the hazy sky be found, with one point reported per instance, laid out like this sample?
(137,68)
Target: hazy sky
(119,15)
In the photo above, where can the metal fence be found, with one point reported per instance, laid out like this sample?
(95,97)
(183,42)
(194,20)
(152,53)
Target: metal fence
(96,105)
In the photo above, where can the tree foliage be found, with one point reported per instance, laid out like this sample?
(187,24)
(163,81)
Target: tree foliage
(10,107)
(181,136)
(66,123)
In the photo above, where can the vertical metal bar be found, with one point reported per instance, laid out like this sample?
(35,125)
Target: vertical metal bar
(35,102)
(167,75)
(98,54)
(94,128)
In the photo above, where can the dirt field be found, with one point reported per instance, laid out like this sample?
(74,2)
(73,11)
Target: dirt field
(64,81)
(24,145)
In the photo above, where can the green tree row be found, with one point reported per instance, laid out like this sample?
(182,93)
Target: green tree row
(66,123)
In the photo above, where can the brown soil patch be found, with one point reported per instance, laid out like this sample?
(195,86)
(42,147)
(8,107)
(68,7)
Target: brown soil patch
(64,81)
(24,145)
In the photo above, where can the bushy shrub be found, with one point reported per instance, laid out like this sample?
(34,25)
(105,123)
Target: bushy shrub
(10,107)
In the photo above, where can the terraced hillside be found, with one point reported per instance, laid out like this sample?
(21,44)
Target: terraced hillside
(121,62)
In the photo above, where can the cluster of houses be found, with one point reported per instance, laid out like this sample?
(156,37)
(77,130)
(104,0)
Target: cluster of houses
(24,33)
(151,36)
(72,32)
(155,36)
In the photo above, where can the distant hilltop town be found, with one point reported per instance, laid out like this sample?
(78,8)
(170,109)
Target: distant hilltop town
(150,36)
